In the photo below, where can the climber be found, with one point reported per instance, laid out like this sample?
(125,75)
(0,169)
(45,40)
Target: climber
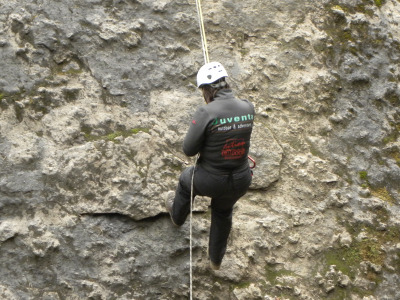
(220,132)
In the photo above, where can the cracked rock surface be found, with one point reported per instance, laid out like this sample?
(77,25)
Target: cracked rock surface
(95,100)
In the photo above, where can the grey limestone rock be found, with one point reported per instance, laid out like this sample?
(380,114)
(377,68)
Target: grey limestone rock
(95,100)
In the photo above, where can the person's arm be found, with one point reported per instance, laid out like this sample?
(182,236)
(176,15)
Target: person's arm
(196,134)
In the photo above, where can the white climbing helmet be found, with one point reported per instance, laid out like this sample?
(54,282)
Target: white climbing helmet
(210,73)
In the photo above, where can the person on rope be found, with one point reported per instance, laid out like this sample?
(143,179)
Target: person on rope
(220,132)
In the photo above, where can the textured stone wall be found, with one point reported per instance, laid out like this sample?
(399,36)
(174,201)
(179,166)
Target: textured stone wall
(96,97)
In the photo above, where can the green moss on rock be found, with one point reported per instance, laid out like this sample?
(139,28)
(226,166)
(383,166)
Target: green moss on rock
(112,137)
(383,194)
(271,273)
(363,175)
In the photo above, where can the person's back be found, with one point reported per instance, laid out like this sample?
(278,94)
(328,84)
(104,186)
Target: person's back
(226,124)
(220,132)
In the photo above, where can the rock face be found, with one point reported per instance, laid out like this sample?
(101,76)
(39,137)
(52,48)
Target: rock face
(96,97)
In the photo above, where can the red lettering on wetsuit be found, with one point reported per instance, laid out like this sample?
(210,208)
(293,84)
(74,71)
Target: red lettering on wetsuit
(234,149)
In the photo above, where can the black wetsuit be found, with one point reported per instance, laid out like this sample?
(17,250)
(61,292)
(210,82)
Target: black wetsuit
(220,131)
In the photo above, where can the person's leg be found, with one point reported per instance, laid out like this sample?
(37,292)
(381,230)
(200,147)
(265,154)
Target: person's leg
(204,185)
(181,205)
(221,224)
(221,214)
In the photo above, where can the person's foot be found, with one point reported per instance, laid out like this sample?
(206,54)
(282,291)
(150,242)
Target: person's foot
(214,266)
(169,202)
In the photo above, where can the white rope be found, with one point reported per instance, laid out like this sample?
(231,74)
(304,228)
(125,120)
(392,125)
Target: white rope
(206,60)
(202,32)
(190,228)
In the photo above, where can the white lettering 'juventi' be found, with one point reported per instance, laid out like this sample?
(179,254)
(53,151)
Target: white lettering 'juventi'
(234,119)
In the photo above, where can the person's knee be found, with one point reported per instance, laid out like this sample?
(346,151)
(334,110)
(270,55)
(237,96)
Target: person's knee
(222,213)
(185,179)
(179,222)
(223,206)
